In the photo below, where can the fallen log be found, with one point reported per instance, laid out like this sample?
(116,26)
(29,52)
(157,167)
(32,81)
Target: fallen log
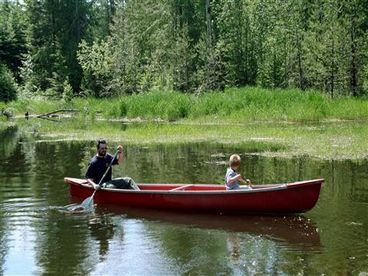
(53,113)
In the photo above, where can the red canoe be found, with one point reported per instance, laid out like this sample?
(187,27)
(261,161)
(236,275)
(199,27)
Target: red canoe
(296,197)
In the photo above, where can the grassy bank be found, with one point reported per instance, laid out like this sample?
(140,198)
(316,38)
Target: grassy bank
(328,140)
(234,105)
(269,122)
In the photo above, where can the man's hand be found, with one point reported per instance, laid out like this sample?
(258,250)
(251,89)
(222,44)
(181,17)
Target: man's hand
(94,185)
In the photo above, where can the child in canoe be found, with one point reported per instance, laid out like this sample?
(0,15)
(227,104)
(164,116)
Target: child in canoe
(232,177)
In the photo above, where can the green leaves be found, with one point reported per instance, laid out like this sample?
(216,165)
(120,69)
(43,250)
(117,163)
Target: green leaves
(8,87)
(110,48)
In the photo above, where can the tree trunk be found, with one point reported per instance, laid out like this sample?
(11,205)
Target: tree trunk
(332,78)
(299,54)
(353,60)
(209,25)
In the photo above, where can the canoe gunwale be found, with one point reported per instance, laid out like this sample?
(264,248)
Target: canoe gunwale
(259,189)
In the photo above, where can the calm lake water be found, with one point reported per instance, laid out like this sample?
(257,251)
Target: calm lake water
(36,237)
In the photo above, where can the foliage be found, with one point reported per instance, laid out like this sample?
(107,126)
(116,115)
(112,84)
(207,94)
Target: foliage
(95,61)
(233,105)
(111,48)
(12,37)
(67,92)
(8,87)
(54,31)
(209,45)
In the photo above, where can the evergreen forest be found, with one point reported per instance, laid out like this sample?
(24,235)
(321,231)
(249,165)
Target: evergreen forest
(61,49)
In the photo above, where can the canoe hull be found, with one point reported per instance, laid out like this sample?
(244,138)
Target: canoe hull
(295,197)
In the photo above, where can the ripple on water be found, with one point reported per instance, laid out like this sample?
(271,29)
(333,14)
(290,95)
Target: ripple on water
(131,243)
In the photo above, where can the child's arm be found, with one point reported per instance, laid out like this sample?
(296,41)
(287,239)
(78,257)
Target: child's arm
(246,181)
(231,180)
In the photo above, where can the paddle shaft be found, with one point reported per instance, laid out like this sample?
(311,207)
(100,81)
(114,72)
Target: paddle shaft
(99,183)
(112,160)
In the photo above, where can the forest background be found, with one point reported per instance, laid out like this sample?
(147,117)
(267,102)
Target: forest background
(103,48)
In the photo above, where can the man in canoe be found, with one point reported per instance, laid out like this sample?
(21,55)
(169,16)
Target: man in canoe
(232,177)
(99,164)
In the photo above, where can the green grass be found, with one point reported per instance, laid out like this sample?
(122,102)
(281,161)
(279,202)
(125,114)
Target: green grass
(235,105)
(327,140)
(269,122)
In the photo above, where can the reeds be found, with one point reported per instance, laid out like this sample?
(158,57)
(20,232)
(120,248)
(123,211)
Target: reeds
(233,105)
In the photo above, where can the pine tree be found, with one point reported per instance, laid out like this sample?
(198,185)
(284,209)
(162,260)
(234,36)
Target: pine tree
(54,31)
(12,37)
(8,87)
(325,49)
(355,16)
(236,34)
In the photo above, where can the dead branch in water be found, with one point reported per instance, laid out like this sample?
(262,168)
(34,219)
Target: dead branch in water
(53,113)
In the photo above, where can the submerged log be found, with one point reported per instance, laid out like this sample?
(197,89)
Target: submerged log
(54,113)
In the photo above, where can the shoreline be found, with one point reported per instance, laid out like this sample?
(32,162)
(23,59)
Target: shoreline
(339,140)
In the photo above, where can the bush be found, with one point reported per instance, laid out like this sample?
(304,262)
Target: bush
(8,87)
(123,108)
(67,92)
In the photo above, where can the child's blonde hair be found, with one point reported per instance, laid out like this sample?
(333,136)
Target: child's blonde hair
(234,160)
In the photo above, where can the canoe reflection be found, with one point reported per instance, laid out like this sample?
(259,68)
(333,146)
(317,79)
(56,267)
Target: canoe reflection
(295,230)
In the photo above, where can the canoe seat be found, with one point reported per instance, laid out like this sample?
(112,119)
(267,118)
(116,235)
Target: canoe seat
(181,188)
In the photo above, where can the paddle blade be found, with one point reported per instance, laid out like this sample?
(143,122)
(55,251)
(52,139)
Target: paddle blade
(88,204)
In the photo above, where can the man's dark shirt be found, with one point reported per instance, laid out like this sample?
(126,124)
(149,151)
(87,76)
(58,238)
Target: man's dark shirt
(98,166)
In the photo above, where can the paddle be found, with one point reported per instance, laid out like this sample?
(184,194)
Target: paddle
(88,202)
(247,182)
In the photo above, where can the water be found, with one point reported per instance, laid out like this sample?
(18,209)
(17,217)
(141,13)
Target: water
(37,238)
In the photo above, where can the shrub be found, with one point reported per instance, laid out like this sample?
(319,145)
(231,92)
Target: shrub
(123,108)
(8,87)
(67,92)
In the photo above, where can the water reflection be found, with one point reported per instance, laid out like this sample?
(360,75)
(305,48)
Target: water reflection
(62,240)
(330,239)
(295,230)
(102,230)
(3,242)
(234,246)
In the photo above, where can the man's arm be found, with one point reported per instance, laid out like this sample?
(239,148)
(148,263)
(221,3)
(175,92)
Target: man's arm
(94,185)
(90,171)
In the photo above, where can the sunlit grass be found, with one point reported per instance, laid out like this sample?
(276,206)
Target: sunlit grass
(234,105)
(269,122)
(329,140)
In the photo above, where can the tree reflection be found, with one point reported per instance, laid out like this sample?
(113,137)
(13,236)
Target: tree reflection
(9,140)
(10,159)
(206,244)
(63,245)
(331,238)
(62,239)
(102,230)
